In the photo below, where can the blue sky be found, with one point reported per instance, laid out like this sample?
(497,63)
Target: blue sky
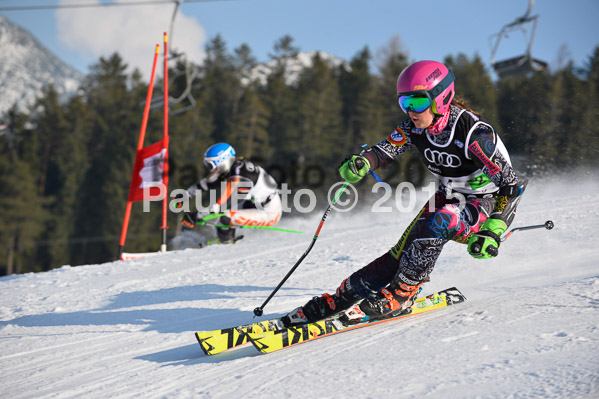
(433,29)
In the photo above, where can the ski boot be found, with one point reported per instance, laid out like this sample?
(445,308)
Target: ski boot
(323,307)
(317,308)
(392,301)
(226,235)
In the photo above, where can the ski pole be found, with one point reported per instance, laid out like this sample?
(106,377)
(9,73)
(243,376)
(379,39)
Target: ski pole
(260,310)
(212,216)
(548,225)
(249,227)
(376,177)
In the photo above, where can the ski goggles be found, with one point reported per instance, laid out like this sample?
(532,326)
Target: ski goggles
(417,102)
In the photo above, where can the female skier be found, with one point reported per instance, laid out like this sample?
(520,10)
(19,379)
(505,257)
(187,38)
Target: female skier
(247,195)
(475,203)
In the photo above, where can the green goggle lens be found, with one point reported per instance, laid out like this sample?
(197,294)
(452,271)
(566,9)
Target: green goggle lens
(414,103)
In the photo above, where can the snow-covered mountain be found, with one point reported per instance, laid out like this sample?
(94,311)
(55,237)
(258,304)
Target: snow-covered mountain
(126,329)
(26,66)
(293,67)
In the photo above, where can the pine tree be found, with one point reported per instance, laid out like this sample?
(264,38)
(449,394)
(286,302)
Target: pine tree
(391,60)
(221,85)
(284,50)
(190,136)
(249,134)
(567,100)
(525,123)
(473,84)
(22,212)
(190,132)
(244,62)
(116,102)
(248,130)
(319,115)
(72,163)
(280,99)
(51,127)
(362,114)
(589,99)
(62,163)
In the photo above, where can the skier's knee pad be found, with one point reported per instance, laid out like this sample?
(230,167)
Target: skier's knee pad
(443,223)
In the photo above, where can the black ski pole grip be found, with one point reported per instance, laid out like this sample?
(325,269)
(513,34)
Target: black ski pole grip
(548,225)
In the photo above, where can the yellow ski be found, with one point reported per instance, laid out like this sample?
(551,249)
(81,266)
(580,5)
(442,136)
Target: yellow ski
(271,340)
(217,341)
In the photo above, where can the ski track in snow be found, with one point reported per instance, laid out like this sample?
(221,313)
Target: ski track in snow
(529,328)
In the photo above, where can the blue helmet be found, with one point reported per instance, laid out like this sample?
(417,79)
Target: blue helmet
(219,156)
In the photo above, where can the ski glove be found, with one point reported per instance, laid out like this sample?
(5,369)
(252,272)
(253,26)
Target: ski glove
(485,243)
(354,168)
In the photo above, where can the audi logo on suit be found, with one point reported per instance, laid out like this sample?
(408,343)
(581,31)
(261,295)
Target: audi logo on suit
(442,158)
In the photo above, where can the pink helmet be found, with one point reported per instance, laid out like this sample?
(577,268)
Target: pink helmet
(431,78)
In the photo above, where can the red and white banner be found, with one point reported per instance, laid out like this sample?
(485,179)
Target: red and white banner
(149,171)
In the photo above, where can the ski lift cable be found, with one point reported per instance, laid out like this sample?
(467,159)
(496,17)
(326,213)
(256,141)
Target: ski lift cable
(96,5)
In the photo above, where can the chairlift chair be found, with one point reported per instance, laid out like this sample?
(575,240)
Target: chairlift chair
(189,72)
(521,65)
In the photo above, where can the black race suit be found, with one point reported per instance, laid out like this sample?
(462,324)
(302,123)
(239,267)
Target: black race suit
(473,166)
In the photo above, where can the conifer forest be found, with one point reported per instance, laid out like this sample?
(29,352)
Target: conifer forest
(65,167)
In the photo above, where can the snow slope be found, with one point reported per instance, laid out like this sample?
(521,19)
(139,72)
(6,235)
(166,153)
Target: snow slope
(125,329)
